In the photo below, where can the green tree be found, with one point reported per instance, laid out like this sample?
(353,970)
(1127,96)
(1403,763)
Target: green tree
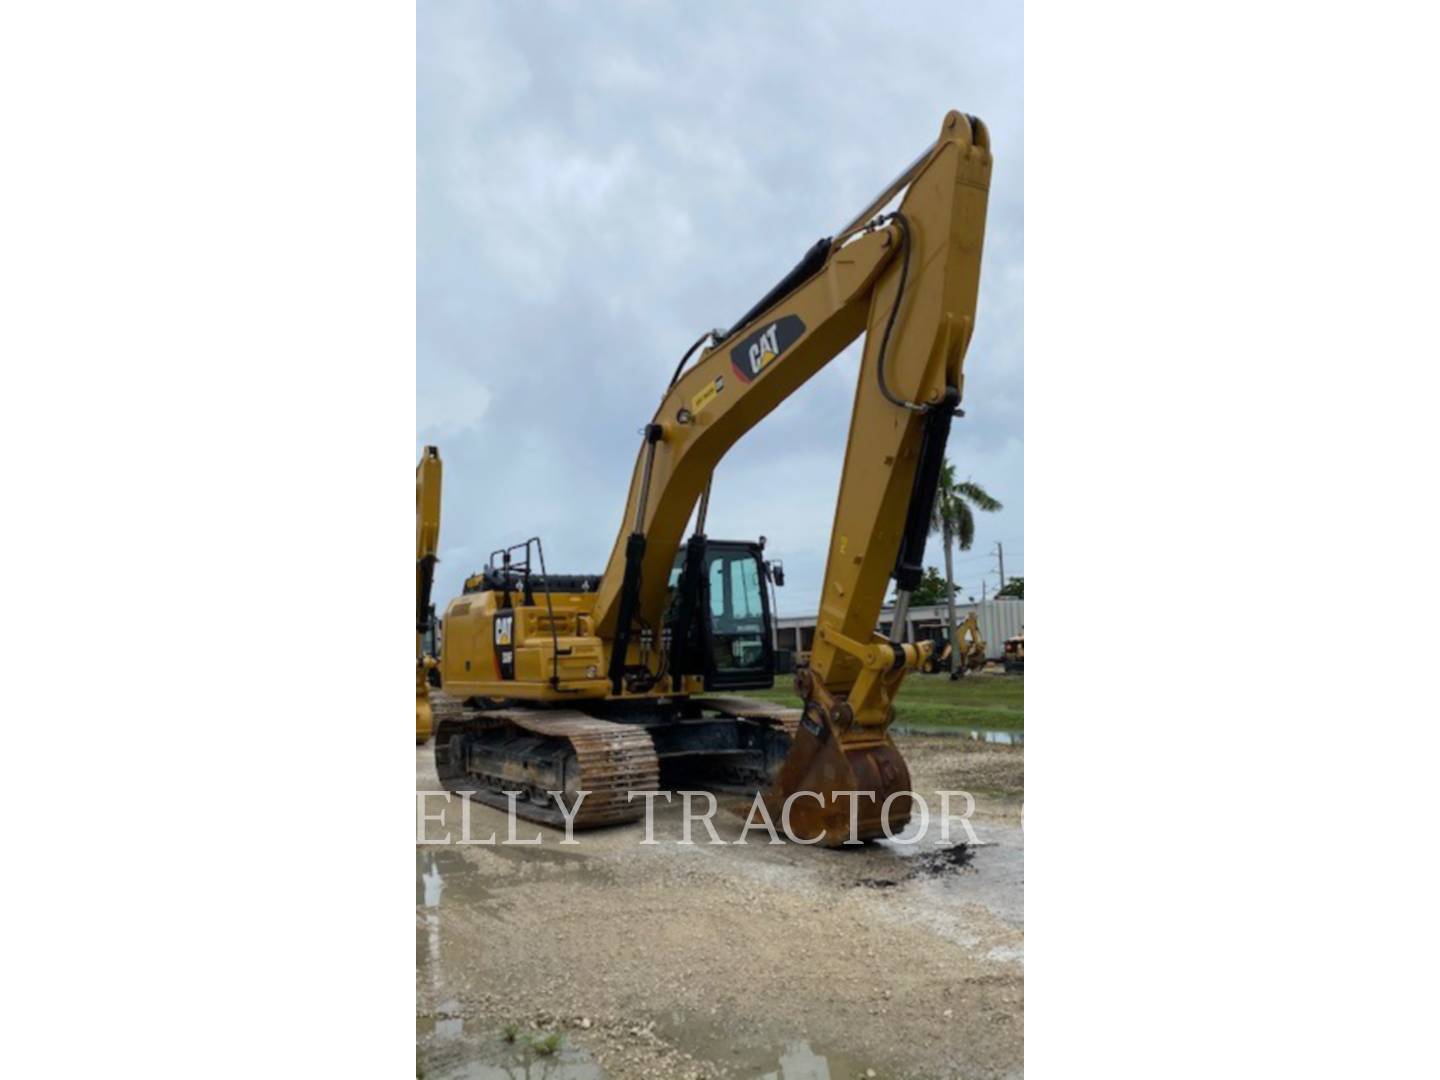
(931,589)
(1014,587)
(954,519)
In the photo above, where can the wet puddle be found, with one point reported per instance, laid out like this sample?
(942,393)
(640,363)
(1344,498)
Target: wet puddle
(799,1062)
(457,1055)
(796,1060)
(446,877)
(528,1057)
(450,1046)
(985,735)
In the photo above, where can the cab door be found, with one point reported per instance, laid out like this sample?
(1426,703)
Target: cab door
(736,624)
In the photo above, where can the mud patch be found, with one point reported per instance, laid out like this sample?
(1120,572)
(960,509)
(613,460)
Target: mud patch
(928,864)
(949,860)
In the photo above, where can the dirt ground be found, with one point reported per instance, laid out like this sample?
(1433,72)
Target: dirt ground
(896,959)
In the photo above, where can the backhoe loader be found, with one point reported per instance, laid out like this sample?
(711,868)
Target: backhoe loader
(613,683)
(968,643)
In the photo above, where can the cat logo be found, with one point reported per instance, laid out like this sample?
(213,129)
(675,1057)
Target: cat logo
(752,356)
(504,636)
(764,350)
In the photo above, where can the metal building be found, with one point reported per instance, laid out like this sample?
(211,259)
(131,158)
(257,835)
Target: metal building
(999,619)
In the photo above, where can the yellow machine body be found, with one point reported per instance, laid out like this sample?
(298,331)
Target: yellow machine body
(530,642)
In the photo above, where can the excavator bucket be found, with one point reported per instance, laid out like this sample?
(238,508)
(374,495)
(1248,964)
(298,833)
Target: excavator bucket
(836,792)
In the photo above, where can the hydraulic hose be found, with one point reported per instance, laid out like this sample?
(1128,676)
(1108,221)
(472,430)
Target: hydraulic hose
(899,220)
(689,353)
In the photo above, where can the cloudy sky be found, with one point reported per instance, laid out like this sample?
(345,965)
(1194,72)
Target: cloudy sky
(599,183)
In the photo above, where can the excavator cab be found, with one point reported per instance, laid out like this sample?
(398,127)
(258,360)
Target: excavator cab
(718,619)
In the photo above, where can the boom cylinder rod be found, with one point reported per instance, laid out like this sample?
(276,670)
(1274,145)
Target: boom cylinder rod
(704,507)
(652,436)
(902,613)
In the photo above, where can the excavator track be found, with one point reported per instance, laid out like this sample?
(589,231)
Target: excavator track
(491,752)
(444,707)
(754,709)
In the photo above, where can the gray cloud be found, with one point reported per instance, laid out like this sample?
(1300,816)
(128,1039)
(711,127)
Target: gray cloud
(597,184)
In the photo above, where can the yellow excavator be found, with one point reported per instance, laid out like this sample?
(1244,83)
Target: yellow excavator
(427,548)
(610,684)
(968,642)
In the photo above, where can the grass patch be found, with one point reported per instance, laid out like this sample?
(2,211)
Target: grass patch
(509,1031)
(996,702)
(549,1044)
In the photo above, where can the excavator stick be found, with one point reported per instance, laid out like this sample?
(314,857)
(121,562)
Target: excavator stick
(907,397)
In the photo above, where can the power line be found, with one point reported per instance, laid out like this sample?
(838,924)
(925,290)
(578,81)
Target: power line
(984,555)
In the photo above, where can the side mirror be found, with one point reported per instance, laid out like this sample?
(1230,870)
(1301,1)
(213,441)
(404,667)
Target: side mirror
(777,573)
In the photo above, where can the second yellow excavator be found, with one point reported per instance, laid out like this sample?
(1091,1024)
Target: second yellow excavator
(427,548)
(613,684)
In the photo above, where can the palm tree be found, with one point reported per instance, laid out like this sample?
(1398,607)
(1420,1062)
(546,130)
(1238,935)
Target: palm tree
(954,519)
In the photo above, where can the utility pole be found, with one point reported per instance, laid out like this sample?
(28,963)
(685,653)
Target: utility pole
(983,585)
(1000,553)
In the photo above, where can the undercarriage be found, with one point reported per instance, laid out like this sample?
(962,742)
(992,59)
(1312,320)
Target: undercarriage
(496,752)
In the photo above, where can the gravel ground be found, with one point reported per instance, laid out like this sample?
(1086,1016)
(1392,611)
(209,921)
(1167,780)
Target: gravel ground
(668,960)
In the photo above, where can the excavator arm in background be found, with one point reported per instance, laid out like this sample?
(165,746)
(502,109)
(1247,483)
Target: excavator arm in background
(972,642)
(908,280)
(967,646)
(427,547)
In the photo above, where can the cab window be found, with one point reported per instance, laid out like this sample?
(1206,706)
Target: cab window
(737,612)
